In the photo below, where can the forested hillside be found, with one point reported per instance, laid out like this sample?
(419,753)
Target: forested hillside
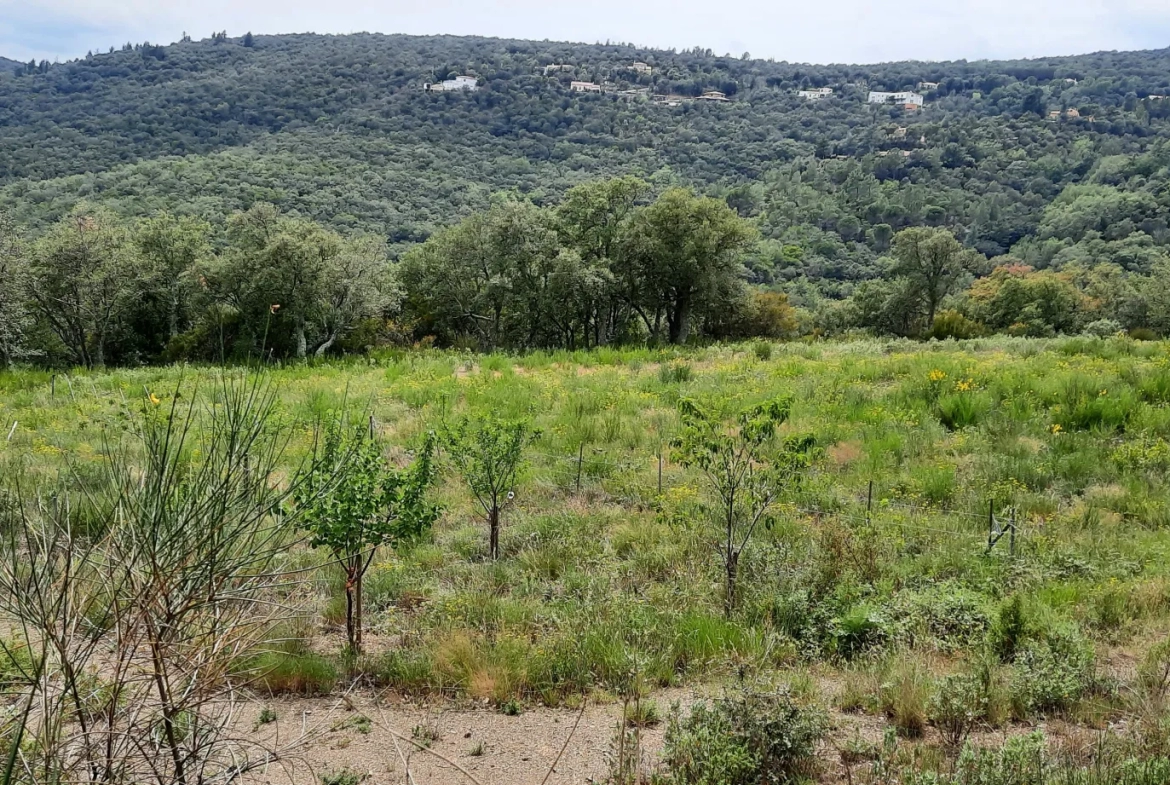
(1058,164)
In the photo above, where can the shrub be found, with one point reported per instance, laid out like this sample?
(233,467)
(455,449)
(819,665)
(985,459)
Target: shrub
(1010,629)
(860,629)
(1154,672)
(675,373)
(952,324)
(905,694)
(1103,328)
(762,350)
(958,703)
(1143,334)
(962,410)
(1052,675)
(282,672)
(743,739)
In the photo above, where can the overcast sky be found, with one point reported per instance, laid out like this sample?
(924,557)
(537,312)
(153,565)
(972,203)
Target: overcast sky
(825,31)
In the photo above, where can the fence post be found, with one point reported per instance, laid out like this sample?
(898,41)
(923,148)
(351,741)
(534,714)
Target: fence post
(373,427)
(869,504)
(1012,537)
(990,524)
(53,387)
(659,471)
(580,460)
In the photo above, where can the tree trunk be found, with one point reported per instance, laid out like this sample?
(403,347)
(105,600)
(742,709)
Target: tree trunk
(732,577)
(353,611)
(680,320)
(494,532)
(173,316)
(320,352)
(302,346)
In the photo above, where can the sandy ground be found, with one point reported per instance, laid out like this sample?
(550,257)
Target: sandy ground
(493,748)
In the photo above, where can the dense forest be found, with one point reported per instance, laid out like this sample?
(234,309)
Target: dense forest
(1051,174)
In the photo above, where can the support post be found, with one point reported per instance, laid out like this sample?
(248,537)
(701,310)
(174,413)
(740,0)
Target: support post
(869,504)
(580,461)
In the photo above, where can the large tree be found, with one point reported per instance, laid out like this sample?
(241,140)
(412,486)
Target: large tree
(292,279)
(593,221)
(172,249)
(684,251)
(15,318)
(488,278)
(933,263)
(84,278)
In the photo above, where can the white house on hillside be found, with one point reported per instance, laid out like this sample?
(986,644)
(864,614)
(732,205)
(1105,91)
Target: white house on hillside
(815,94)
(458,83)
(585,87)
(906,99)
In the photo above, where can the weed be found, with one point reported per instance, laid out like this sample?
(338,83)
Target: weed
(906,691)
(743,739)
(345,776)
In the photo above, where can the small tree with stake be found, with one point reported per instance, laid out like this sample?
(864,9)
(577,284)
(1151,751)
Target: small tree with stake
(744,470)
(366,504)
(489,455)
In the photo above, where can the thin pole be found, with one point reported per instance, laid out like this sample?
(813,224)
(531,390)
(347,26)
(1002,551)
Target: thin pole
(580,460)
(660,472)
(1012,539)
(373,427)
(869,504)
(990,524)
(53,387)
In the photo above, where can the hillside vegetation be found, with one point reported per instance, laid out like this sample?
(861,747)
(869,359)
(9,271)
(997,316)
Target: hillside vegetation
(339,129)
(873,568)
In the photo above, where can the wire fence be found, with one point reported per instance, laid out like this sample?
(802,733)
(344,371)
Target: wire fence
(865,510)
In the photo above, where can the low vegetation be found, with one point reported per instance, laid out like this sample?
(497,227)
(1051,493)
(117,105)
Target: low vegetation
(864,551)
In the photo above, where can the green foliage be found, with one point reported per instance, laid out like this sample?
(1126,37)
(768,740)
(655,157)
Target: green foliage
(744,474)
(344,776)
(741,739)
(354,502)
(1052,674)
(489,453)
(959,701)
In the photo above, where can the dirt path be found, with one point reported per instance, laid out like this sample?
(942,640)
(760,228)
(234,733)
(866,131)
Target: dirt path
(494,748)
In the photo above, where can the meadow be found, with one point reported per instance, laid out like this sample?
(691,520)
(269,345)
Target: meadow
(874,572)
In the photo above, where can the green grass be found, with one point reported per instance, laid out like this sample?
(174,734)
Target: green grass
(618,584)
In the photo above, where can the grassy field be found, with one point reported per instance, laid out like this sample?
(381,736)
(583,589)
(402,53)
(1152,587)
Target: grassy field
(877,569)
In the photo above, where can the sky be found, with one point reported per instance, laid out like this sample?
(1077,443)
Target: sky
(826,31)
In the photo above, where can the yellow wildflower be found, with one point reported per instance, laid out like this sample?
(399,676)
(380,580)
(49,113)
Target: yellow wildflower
(155,399)
(1056,428)
(937,376)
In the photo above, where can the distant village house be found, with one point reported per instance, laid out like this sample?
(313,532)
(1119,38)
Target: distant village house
(713,95)
(448,85)
(585,87)
(816,94)
(909,101)
(927,87)
(641,68)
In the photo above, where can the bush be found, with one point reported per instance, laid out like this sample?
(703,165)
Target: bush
(905,695)
(1103,328)
(959,702)
(1052,675)
(962,410)
(675,373)
(282,672)
(952,324)
(743,739)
